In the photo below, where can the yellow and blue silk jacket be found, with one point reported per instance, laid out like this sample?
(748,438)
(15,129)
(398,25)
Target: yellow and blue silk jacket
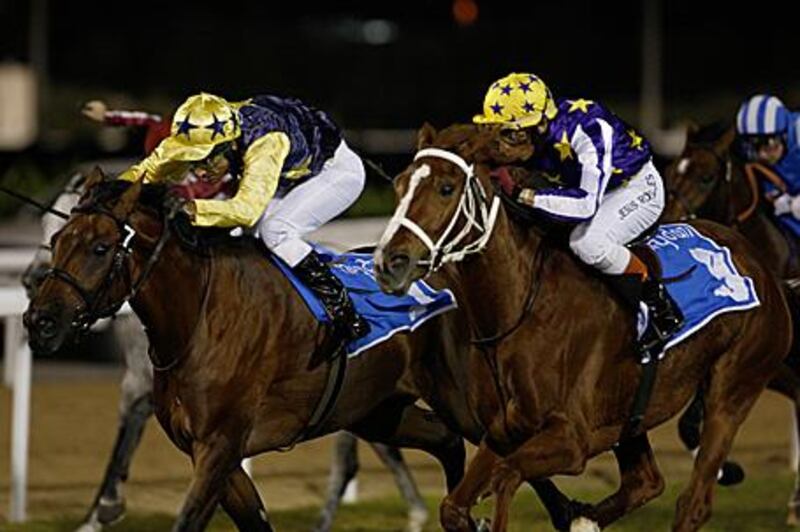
(282,143)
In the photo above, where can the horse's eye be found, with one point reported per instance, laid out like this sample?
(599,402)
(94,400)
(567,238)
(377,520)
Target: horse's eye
(101,249)
(446,189)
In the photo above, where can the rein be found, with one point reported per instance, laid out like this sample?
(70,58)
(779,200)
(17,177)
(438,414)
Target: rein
(750,169)
(533,291)
(201,312)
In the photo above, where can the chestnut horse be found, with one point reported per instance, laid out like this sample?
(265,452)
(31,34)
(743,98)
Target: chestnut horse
(709,180)
(231,342)
(556,376)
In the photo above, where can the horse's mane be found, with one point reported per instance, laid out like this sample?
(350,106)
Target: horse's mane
(154,198)
(709,133)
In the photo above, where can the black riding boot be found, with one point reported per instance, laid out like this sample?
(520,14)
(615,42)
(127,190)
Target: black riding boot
(346,322)
(665,316)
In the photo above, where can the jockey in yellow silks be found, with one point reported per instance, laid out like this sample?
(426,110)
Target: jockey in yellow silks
(294,173)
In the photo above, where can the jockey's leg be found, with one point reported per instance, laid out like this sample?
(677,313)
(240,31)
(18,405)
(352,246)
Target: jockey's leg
(622,216)
(304,209)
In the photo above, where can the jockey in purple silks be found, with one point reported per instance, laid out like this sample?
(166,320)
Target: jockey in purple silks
(603,181)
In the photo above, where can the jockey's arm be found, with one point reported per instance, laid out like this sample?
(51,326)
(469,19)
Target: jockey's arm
(263,161)
(593,148)
(130,118)
(150,167)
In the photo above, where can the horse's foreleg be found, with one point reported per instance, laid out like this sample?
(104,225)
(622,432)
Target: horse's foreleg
(454,511)
(214,461)
(640,481)
(241,502)
(343,470)
(787,383)
(136,408)
(417,511)
(730,397)
(416,428)
(556,449)
(794,503)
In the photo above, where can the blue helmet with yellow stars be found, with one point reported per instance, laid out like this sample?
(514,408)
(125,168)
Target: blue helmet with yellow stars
(201,123)
(517,100)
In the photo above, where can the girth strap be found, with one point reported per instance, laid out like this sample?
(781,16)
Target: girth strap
(641,400)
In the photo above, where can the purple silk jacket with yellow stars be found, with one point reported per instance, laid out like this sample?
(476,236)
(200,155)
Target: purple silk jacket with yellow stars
(588,151)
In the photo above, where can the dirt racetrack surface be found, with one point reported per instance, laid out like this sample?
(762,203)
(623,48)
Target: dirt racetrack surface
(74,422)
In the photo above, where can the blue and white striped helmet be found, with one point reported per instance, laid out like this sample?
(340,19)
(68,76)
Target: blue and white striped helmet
(762,114)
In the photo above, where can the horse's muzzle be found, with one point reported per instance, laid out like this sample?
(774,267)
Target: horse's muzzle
(48,329)
(394,272)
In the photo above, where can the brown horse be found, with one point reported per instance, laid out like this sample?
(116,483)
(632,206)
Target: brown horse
(555,379)
(708,180)
(231,342)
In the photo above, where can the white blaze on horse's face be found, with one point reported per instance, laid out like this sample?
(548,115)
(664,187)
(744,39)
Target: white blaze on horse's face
(400,213)
(472,206)
(683,165)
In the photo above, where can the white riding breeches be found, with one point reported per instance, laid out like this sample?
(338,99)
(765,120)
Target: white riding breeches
(622,216)
(311,204)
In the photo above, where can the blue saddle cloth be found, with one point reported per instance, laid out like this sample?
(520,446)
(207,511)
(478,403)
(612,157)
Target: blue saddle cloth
(790,224)
(386,314)
(706,283)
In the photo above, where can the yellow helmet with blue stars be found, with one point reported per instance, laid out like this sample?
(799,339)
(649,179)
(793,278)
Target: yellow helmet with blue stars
(201,123)
(517,101)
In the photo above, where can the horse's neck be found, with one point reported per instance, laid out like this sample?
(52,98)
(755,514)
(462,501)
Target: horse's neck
(520,268)
(171,300)
(496,284)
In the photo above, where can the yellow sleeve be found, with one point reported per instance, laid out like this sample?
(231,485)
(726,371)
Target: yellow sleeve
(155,167)
(263,161)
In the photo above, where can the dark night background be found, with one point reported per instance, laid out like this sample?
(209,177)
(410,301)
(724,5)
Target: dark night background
(421,64)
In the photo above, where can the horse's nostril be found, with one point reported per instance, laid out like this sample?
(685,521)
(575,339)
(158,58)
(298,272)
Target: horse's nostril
(398,262)
(45,325)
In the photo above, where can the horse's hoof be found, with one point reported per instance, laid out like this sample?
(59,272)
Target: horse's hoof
(91,525)
(417,517)
(110,511)
(582,524)
(484,524)
(730,474)
(792,517)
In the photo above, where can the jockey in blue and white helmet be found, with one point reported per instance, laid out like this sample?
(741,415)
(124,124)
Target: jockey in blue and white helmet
(769,133)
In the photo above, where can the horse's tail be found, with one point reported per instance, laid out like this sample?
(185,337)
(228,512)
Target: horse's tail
(791,287)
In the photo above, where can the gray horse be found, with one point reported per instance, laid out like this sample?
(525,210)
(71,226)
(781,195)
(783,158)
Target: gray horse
(136,407)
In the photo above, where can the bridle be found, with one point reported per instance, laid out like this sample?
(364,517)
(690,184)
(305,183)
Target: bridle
(733,218)
(90,309)
(692,213)
(473,206)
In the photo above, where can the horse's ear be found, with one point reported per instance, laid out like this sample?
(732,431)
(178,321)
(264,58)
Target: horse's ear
(723,144)
(692,129)
(425,136)
(95,177)
(126,203)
